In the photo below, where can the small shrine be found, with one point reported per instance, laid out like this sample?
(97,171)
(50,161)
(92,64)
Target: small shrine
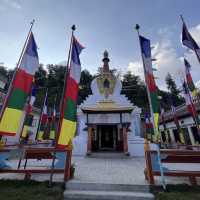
(107,120)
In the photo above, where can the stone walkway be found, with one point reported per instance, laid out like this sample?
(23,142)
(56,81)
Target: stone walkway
(109,170)
(105,170)
(121,171)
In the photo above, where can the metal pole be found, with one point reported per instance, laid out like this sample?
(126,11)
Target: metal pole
(18,64)
(65,83)
(194,111)
(148,93)
(52,168)
(53,121)
(39,125)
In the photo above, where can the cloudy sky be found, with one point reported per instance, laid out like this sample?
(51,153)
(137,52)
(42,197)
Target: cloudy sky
(102,24)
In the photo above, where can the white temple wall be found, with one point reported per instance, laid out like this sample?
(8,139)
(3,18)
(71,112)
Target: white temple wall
(135,141)
(80,141)
(185,122)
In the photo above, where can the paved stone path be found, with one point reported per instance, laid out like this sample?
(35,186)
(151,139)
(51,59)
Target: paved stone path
(105,170)
(121,171)
(109,170)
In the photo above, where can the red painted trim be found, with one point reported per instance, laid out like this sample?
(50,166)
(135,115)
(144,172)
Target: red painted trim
(60,146)
(6,133)
(41,171)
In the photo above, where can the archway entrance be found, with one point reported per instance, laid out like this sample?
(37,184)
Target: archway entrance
(107,137)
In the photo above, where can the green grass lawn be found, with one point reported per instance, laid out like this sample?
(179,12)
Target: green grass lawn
(178,192)
(33,190)
(29,190)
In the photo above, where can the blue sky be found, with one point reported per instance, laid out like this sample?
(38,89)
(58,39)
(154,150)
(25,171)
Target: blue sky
(102,24)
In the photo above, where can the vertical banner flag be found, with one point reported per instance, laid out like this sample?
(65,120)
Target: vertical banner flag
(68,110)
(149,78)
(20,90)
(31,100)
(189,42)
(43,120)
(189,80)
(190,105)
(53,124)
(27,124)
(148,126)
(29,116)
(176,121)
(164,124)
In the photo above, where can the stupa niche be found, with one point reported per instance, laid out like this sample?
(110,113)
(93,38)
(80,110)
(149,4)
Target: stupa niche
(107,120)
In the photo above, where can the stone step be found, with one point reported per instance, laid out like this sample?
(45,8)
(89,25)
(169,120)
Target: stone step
(106,195)
(108,155)
(72,185)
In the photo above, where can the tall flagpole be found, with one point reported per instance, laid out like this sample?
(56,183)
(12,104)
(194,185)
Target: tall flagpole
(73,28)
(69,150)
(53,120)
(192,104)
(137,27)
(18,64)
(26,113)
(40,120)
(197,96)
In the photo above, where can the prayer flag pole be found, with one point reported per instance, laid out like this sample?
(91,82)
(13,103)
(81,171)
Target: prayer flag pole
(18,64)
(73,28)
(41,113)
(190,105)
(137,27)
(68,157)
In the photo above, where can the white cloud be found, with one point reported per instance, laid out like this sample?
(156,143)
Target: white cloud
(195,32)
(136,68)
(168,60)
(13,3)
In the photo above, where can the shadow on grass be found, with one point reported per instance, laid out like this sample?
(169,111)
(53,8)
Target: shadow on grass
(30,190)
(177,192)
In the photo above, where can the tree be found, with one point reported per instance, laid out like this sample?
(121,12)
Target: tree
(134,88)
(53,79)
(84,86)
(3,71)
(7,75)
(171,85)
(41,76)
(40,83)
(174,96)
(55,83)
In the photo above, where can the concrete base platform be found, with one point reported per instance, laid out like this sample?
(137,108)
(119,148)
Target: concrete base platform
(71,185)
(108,195)
(104,155)
(95,191)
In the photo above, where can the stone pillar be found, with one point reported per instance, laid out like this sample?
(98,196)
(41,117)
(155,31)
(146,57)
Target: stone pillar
(172,136)
(191,135)
(125,140)
(89,142)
